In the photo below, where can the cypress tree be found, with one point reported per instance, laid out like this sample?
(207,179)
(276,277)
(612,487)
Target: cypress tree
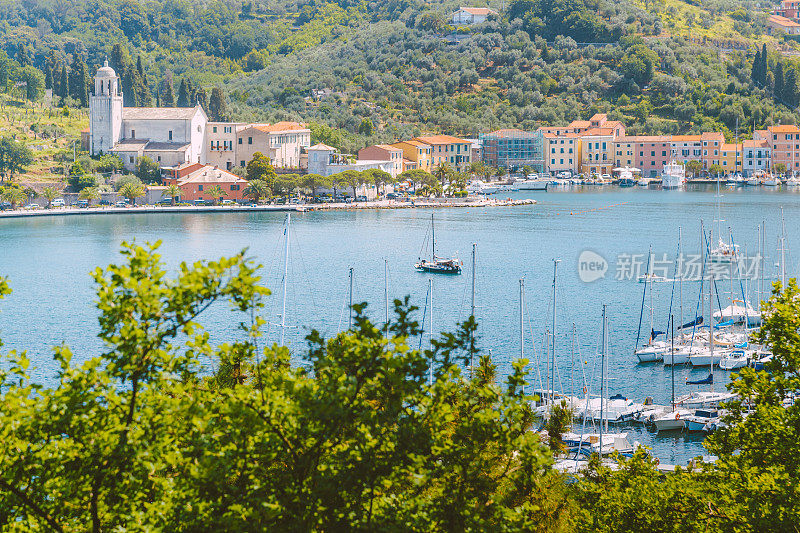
(754,74)
(778,90)
(216,105)
(168,92)
(130,94)
(140,67)
(790,88)
(183,94)
(48,76)
(63,85)
(201,98)
(79,81)
(764,68)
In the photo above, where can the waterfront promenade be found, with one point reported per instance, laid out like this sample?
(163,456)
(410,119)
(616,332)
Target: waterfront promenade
(378,204)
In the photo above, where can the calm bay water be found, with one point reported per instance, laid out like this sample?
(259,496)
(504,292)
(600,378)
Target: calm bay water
(48,261)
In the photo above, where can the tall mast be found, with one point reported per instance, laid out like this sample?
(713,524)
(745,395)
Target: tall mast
(602,378)
(285,275)
(672,363)
(472,310)
(572,364)
(522,321)
(711,326)
(430,291)
(783,250)
(680,279)
(351,298)
(553,340)
(433,240)
(386,290)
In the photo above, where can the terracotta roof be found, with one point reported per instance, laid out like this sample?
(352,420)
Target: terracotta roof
(209,174)
(643,139)
(783,21)
(757,143)
(412,142)
(731,147)
(579,124)
(279,127)
(598,117)
(477,10)
(598,131)
(685,138)
(321,146)
(159,113)
(784,128)
(441,139)
(712,136)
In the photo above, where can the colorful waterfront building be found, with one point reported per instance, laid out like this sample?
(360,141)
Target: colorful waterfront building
(416,152)
(731,158)
(446,149)
(756,156)
(648,153)
(197,182)
(384,152)
(513,148)
(562,152)
(784,144)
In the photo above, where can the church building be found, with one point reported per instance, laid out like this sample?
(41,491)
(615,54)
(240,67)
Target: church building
(169,136)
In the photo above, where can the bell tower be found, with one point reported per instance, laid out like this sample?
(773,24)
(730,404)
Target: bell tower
(105,111)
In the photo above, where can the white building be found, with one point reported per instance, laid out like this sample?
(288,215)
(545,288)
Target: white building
(471,15)
(167,135)
(323,160)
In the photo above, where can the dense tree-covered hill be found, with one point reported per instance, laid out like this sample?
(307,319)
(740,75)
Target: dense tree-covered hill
(363,72)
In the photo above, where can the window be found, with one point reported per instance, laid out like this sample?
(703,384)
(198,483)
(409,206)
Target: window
(130,159)
(241,163)
(235,187)
(170,135)
(200,187)
(159,159)
(249,140)
(133,134)
(214,129)
(240,140)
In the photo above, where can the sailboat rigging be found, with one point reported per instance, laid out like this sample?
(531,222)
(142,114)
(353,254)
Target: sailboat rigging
(438,265)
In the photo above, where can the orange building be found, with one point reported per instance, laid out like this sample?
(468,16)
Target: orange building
(196,181)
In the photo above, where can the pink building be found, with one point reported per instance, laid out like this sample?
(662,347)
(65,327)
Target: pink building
(384,152)
(649,153)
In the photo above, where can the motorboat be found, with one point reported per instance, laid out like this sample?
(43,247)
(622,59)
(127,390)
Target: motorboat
(794,181)
(673,176)
(737,180)
(771,181)
(626,178)
(733,360)
(671,420)
(701,399)
(724,252)
(616,409)
(605,444)
(739,312)
(644,182)
(701,420)
(653,278)
(531,185)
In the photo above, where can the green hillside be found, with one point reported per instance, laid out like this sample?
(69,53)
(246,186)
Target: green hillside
(388,70)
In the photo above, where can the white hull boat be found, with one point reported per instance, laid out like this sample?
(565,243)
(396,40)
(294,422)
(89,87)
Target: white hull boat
(792,182)
(733,360)
(739,313)
(772,182)
(704,399)
(672,420)
(705,358)
(702,420)
(652,352)
(531,185)
(681,355)
(673,176)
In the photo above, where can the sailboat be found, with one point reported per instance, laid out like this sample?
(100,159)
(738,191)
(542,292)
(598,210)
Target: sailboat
(722,252)
(671,420)
(438,265)
(653,350)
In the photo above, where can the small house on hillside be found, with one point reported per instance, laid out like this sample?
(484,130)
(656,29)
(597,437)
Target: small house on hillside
(471,15)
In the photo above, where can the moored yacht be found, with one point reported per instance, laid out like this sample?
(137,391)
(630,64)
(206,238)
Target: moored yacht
(673,176)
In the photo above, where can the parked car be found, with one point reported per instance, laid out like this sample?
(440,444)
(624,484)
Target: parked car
(32,207)
(121,203)
(83,203)
(361,198)
(4,206)
(165,201)
(58,202)
(228,202)
(200,202)
(391,196)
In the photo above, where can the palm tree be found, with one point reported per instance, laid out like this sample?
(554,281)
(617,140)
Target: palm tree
(14,196)
(443,173)
(216,194)
(257,189)
(172,192)
(49,194)
(132,191)
(89,194)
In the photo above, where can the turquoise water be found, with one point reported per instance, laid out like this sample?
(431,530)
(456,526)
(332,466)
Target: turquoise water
(48,262)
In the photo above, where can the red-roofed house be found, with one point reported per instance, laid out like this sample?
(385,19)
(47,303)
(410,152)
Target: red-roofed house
(784,144)
(471,15)
(384,152)
(195,182)
(779,23)
(282,142)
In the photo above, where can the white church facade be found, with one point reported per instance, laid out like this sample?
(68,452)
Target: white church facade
(169,136)
(173,136)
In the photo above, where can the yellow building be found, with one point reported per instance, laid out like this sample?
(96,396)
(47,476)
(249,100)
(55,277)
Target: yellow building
(447,149)
(416,151)
(597,151)
(562,152)
(730,158)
